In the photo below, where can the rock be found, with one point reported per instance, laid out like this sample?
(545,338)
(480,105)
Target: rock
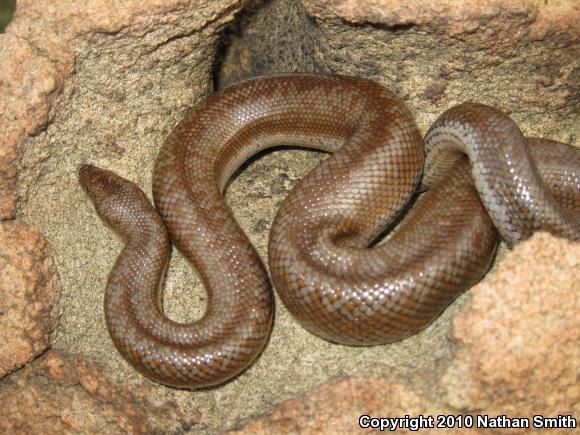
(435,91)
(44,40)
(450,18)
(518,337)
(61,393)
(270,37)
(337,407)
(29,290)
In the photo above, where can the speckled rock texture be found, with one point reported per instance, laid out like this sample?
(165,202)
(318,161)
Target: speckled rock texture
(105,82)
(518,337)
(28,292)
(51,41)
(62,393)
(335,407)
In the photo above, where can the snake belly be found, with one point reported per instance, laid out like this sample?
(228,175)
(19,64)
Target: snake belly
(319,255)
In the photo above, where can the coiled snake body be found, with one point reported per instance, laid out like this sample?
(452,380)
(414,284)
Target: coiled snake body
(319,256)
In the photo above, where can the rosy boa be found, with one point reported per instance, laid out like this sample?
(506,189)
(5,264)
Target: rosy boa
(319,256)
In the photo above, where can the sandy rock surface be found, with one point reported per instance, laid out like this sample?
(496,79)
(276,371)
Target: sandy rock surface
(519,335)
(29,290)
(62,393)
(105,83)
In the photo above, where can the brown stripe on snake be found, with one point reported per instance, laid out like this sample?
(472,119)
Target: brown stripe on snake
(319,258)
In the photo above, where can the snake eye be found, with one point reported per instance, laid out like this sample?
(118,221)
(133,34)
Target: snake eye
(101,184)
(116,199)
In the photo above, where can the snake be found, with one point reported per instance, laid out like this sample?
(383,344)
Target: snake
(473,179)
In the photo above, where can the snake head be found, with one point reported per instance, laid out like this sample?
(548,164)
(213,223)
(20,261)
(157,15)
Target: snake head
(120,203)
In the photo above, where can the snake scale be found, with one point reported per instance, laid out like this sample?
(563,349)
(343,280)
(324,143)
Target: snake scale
(324,261)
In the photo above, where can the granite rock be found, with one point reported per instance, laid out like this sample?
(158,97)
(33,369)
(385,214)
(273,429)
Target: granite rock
(518,337)
(29,291)
(62,393)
